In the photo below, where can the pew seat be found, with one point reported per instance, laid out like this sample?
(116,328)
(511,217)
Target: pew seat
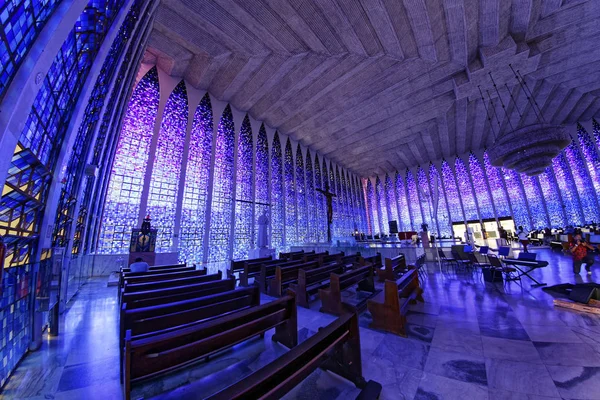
(310,281)
(331,298)
(392,268)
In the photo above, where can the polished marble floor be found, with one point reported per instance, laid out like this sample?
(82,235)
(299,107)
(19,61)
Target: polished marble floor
(469,340)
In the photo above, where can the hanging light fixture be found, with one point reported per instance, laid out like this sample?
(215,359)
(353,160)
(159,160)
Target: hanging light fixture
(528,149)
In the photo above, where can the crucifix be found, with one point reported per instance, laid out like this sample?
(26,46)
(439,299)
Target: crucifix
(329,197)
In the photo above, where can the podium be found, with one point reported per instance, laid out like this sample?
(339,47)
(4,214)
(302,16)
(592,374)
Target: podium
(143,243)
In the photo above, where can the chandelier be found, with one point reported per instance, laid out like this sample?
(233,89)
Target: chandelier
(528,149)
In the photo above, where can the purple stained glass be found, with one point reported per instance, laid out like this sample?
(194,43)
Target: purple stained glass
(277,197)
(591,157)
(262,177)
(567,188)
(122,206)
(164,183)
(321,204)
(413,201)
(193,215)
(486,207)
(596,126)
(582,183)
(535,200)
(552,198)
(291,214)
(341,201)
(466,191)
(452,195)
(360,198)
(244,209)
(495,180)
(334,203)
(219,245)
(381,209)
(312,215)
(301,196)
(372,208)
(403,212)
(326,186)
(425,199)
(439,205)
(516,196)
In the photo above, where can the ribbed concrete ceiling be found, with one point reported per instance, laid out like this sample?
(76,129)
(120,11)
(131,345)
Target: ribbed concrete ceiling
(380,85)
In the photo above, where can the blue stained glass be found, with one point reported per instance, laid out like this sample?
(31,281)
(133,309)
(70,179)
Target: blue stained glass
(193,212)
(452,195)
(495,181)
(567,188)
(341,201)
(221,205)
(353,216)
(596,126)
(244,220)
(535,200)
(425,199)
(122,205)
(301,196)
(321,205)
(326,186)
(360,199)
(413,201)
(516,196)
(262,177)
(583,183)
(403,212)
(439,204)
(164,183)
(466,191)
(374,227)
(552,198)
(335,204)
(381,209)
(291,214)
(486,208)
(312,213)
(591,156)
(277,197)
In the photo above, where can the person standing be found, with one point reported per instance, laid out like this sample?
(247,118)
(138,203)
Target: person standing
(582,252)
(523,238)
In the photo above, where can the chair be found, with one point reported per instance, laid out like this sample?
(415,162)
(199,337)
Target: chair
(446,260)
(484,251)
(509,272)
(460,261)
(503,251)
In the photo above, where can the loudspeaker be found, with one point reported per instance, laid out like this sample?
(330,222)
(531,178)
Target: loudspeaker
(393,226)
(582,294)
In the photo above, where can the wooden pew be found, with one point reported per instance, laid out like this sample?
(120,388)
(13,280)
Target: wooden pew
(161,296)
(252,269)
(151,321)
(335,347)
(125,274)
(284,276)
(353,259)
(165,267)
(375,261)
(267,272)
(314,256)
(287,256)
(392,269)
(150,357)
(331,298)
(158,277)
(238,265)
(389,314)
(330,258)
(310,281)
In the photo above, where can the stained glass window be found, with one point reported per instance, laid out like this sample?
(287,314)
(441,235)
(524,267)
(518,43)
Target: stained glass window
(486,208)
(221,205)
(353,217)
(164,183)
(403,212)
(535,200)
(244,221)
(193,212)
(321,205)
(552,198)
(495,181)
(360,198)
(122,205)
(341,201)
(466,191)
(413,201)
(582,183)
(381,209)
(372,209)
(439,205)
(516,196)
(596,126)
(452,195)
(262,177)
(568,193)
(277,197)
(22,21)
(291,214)
(326,186)
(301,196)
(425,199)
(591,156)
(335,203)
(312,214)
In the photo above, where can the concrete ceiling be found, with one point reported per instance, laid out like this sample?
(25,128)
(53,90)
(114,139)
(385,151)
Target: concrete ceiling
(380,85)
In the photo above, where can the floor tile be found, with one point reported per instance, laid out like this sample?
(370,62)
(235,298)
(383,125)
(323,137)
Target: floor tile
(576,382)
(404,352)
(568,354)
(520,377)
(457,341)
(507,349)
(439,387)
(457,366)
(557,334)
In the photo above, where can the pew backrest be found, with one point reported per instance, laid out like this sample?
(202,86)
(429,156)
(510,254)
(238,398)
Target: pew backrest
(352,277)
(163,276)
(133,286)
(238,265)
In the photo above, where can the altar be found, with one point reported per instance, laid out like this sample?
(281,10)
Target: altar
(387,250)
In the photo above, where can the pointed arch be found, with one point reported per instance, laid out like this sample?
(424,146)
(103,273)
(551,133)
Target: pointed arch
(291,213)
(310,200)
(244,219)
(277,196)
(261,176)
